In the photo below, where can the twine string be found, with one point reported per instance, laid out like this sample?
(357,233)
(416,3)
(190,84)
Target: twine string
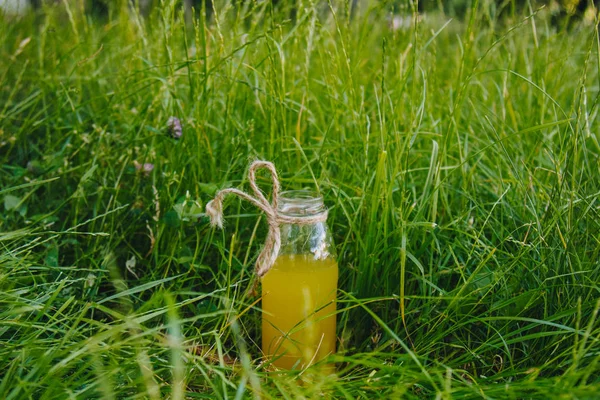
(270,251)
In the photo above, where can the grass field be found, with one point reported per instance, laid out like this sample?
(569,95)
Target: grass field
(460,161)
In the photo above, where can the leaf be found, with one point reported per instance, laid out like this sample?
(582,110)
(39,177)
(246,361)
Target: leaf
(11,202)
(130,264)
(51,259)
(14,203)
(208,188)
(185,259)
(188,209)
(138,289)
(195,209)
(171,219)
(88,174)
(185,256)
(179,209)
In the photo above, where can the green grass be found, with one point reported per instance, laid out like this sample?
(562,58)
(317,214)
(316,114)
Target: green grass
(460,162)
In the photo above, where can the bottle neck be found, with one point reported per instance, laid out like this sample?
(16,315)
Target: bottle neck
(309,235)
(300,203)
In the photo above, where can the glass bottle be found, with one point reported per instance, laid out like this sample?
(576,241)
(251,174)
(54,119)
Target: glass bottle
(299,292)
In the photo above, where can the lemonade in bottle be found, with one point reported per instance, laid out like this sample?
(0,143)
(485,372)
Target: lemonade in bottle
(299,291)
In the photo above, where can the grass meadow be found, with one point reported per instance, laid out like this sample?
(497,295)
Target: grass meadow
(459,159)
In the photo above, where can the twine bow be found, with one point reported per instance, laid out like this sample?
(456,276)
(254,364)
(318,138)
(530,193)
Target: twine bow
(266,258)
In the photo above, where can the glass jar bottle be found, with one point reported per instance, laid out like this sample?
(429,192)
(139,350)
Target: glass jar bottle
(299,291)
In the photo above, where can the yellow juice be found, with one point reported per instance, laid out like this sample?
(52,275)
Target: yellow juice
(298,303)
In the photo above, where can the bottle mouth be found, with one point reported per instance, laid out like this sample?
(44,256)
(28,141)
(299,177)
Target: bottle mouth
(300,203)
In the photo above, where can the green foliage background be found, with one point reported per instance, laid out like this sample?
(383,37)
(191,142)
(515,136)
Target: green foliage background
(459,159)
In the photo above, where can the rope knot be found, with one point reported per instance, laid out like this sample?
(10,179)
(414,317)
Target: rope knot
(214,210)
(270,251)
